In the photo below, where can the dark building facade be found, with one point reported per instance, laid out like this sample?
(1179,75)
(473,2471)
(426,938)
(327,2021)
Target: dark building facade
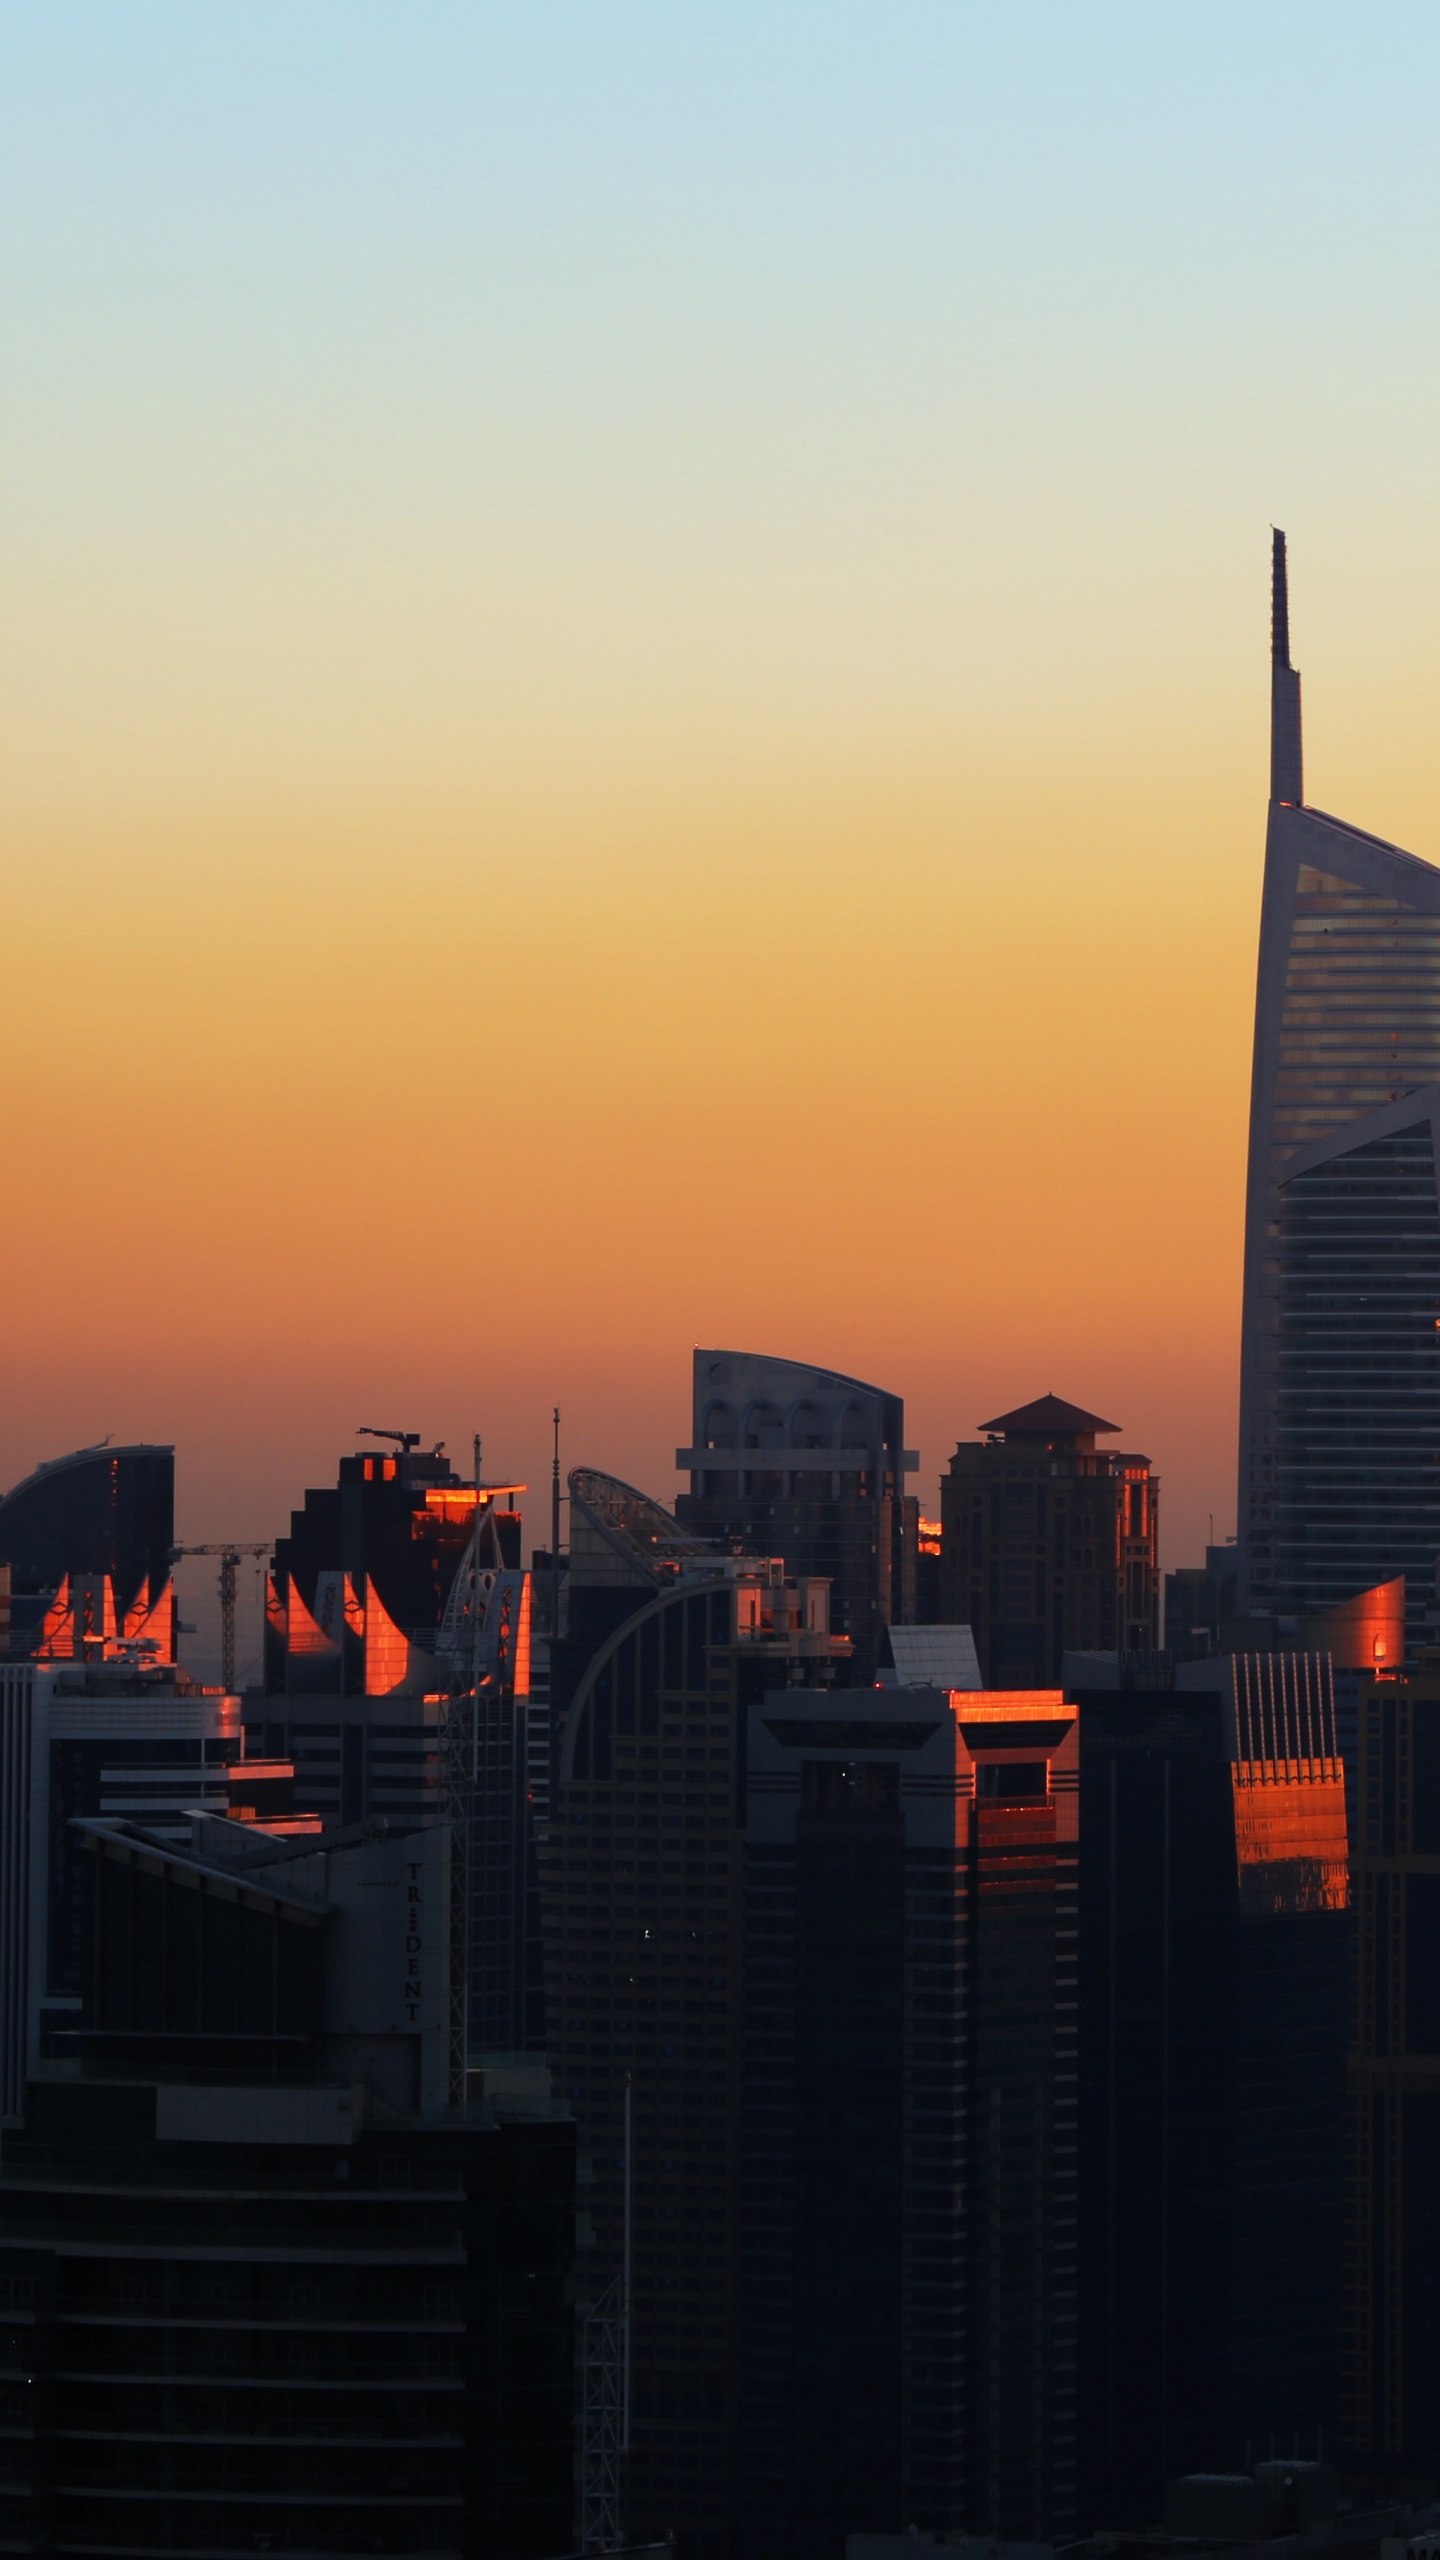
(642,1896)
(909,2199)
(1347,1023)
(1214,1951)
(263,2287)
(1391,2418)
(77,1740)
(794,1461)
(1050,1545)
(1201,1601)
(397,1607)
(87,1542)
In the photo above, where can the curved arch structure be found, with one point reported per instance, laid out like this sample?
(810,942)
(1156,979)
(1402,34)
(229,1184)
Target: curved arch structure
(97,1522)
(809,1464)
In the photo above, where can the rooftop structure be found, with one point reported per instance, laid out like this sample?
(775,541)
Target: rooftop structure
(1049,1418)
(791,1460)
(86,1541)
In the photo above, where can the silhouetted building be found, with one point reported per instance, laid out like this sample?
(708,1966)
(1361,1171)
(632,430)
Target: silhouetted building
(1200,1603)
(87,1540)
(1391,2417)
(1335,1480)
(399,1591)
(1049,1544)
(799,1462)
(1214,1946)
(908,2209)
(641,1881)
(85,1739)
(271,2282)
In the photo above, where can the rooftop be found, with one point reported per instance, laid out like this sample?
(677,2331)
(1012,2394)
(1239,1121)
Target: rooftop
(1049,1418)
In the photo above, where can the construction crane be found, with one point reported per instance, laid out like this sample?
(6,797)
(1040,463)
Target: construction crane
(229,1551)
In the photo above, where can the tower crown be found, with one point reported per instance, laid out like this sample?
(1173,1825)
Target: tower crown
(1287,779)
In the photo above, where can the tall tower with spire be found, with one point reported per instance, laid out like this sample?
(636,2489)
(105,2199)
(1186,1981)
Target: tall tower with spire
(1339,1387)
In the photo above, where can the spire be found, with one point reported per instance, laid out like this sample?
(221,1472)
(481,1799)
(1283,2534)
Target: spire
(1286,770)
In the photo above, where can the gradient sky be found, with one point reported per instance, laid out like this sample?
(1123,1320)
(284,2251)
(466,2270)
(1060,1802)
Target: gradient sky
(633,697)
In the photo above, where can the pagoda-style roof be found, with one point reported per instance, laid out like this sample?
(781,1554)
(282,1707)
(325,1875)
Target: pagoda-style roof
(1049,1418)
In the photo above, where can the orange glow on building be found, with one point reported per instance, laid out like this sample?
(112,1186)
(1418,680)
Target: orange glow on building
(458,1502)
(81,1623)
(1290,1835)
(387,1650)
(303,1633)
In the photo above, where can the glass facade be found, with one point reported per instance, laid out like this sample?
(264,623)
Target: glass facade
(908,2232)
(641,1889)
(799,1462)
(1360,1022)
(1358,1425)
(1347,1024)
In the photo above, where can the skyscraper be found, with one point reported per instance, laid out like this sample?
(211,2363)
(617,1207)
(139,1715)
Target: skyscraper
(1050,1546)
(1391,2408)
(1347,1023)
(1214,1945)
(641,1877)
(276,2277)
(1356,1489)
(799,1462)
(80,1739)
(909,2210)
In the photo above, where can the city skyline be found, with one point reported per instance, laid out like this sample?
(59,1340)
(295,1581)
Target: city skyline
(556,567)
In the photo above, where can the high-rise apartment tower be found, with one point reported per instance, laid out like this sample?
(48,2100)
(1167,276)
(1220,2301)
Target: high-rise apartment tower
(1050,1545)
(793,1461)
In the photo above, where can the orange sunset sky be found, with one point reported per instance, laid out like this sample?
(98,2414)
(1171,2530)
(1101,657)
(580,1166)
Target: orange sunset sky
(634,700)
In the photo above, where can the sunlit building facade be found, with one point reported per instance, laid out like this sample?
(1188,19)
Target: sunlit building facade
(1347,1023)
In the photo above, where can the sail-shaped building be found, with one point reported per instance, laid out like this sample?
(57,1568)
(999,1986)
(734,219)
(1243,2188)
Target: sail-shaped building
(1340,1357)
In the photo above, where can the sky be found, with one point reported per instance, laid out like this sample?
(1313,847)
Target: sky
(633,690)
